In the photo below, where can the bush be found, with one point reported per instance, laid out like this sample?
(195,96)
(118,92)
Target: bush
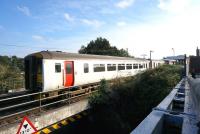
(122,106)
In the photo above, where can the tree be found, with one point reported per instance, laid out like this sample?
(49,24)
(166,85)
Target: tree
(11,72)
(101,46)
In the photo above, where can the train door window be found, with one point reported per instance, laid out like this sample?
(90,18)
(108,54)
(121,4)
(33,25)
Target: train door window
(99,67)
(128,66)
(121,66)
(86,68)
(135,66)
(111,67)
(68,69)
(57,67)
(146,65)
(140,66)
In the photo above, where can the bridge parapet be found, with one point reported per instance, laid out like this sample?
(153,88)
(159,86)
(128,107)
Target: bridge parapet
(171,115)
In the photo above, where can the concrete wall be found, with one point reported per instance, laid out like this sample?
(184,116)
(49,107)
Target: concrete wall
(50,117)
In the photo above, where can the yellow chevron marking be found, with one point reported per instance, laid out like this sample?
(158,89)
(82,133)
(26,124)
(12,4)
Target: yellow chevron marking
(78,116)
(46,131)
(55,126)
(64,122)
(71,119)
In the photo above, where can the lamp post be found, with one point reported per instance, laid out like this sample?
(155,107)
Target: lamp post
(150,64)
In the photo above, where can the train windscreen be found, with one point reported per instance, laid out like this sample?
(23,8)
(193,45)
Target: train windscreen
(33,73)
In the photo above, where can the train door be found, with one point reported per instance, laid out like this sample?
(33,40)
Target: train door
(69,73)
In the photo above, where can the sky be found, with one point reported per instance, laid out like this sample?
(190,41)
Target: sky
(28,26)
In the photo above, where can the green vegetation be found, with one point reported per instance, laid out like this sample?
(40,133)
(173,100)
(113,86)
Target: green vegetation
(11,73)
(122,106)
(101,46)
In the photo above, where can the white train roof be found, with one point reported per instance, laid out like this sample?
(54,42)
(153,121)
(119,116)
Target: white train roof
(65,55)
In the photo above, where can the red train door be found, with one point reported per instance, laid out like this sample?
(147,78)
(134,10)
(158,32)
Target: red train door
(69,73)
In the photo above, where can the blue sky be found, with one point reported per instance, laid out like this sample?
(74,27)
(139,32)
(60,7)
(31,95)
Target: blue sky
(139,25)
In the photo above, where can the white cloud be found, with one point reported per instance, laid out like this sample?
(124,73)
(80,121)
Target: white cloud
(38,37)
(174,6)
(25,10)
(68,17)
(124,3)
(180,32)
(121,23)
(94,23)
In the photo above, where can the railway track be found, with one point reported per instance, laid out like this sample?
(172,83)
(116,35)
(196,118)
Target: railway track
(14,94)
(13,109)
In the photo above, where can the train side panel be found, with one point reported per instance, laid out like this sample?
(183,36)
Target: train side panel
(91,76)
(55,78)
(85,77)
(53,74)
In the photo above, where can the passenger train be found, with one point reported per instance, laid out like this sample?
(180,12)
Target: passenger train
(51,70)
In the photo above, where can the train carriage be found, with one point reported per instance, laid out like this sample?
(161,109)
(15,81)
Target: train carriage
(51,70)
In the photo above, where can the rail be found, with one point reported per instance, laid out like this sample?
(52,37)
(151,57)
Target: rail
(39,102)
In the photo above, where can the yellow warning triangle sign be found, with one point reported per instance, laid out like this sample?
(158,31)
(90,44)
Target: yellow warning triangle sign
(26,127)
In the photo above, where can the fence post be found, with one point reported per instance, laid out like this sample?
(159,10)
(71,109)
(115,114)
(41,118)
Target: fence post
(40,101)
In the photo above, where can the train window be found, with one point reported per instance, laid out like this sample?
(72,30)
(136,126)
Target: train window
(121,66)
(135,66)
(57,67)
(99,67)
(86,68)
(111,67)
(68,69)
(146,65)
(128,66)
(140,66)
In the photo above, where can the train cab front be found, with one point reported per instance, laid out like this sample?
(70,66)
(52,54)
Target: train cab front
(34,72)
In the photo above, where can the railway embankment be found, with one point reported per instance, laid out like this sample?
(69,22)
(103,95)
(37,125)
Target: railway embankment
(120,107)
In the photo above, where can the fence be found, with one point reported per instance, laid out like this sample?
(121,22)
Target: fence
(11,84)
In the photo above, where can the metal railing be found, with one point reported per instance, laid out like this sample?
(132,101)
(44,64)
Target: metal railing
(39,102)
(11,84)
